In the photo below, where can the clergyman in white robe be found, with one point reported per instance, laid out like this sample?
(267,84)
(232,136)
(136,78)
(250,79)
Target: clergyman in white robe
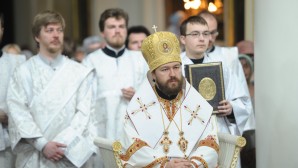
(51,101)
(8,62)
(114,71)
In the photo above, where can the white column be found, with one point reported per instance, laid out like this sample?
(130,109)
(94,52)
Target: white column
(249,20)
(276,89)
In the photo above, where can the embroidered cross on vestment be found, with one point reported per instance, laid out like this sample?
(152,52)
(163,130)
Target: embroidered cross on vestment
(194,114)
(143,108)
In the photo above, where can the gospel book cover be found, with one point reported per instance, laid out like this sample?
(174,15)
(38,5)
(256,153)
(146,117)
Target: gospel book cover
(207,79)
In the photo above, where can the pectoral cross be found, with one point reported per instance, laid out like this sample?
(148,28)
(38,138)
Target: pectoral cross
(166,142)
(154,28)
(182,142)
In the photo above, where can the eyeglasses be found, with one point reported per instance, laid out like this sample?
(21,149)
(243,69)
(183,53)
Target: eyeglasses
(197,34)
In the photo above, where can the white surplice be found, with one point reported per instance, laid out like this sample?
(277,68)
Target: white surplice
(146,121)
(229,57)
(46,101)
(114,74)
(234,93)
(8,62)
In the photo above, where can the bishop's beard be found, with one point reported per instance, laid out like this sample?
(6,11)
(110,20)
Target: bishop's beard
(169,88)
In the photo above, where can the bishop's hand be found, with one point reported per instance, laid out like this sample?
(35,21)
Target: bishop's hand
(179,163)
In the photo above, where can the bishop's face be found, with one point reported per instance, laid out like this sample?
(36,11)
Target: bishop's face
(169,78)
(115,32)
(50,39)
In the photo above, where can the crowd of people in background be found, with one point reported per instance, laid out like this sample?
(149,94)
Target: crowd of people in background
(109,70)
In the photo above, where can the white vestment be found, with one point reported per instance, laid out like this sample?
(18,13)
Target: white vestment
(8,62)
(114,74)
(51,103)
(146,121)
(234,93)
(229,57)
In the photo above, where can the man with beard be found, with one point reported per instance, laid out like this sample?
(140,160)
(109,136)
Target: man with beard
(50,103)
(168,121)
(119,73)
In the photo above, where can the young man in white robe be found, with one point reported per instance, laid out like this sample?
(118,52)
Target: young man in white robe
(119,73)
(168,121)
(50,103)
(8,62)
(195,37)
(233,111)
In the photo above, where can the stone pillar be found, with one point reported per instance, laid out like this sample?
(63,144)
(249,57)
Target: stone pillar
(276,83)
(249,20)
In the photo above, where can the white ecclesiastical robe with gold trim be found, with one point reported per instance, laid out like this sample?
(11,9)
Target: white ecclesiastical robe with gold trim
(235,94)
(146,122)
(55,104)
(8,62)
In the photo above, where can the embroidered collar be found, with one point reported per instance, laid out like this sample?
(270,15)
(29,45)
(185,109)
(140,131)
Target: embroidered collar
(170,105)
(112,52)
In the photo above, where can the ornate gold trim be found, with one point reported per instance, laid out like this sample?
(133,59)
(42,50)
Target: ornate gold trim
(161,161)
(116,146)
(194,164)
(170,106)
(200,160)
(116,150)
(241,142)
(210,143)
(138,144)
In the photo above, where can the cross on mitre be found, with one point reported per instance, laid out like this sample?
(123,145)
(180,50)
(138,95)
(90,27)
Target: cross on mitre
(154,28)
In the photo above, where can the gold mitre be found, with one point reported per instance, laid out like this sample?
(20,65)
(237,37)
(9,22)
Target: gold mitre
(161,48)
